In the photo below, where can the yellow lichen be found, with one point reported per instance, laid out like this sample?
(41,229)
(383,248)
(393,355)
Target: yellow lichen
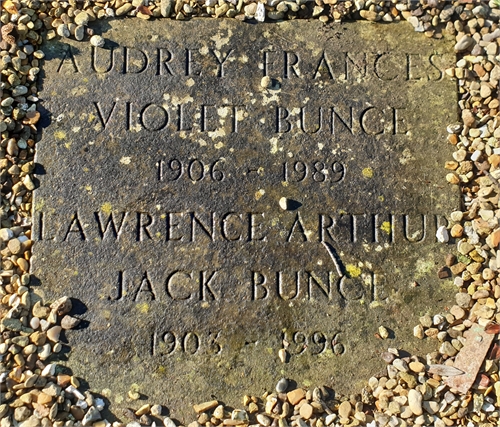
(386,226)
(367,172)
(142,307)
(353,270)
(59,134)
(106,208)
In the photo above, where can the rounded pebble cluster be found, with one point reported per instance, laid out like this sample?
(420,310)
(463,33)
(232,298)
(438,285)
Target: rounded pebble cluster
(414,391)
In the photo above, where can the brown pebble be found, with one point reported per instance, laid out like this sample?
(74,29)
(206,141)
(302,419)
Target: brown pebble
(458,268)
(417,367)
(77,412)
(23,265)
(15,246)
(345,410)
(62,306)
(38,338)
(63,380)
(54,333)
(387,357)
(450,259)
(306,411)
(144,409)
(295,396)
(69,322)
(44,399)
(444,273)
(456,231)
(205,406)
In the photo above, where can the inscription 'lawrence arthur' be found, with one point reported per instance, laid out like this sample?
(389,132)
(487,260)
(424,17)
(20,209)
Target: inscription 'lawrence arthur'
(189,227)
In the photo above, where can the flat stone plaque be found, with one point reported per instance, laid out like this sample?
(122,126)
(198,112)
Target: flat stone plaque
(206,217)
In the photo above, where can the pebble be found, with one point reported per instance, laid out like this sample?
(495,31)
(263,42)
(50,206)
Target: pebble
(430,407)
(388,357)
(6,233)
(400,365)
(144,409)
(4,408)
(63,31)
(465,43)
(409,379)
(62,306)
(295,396)
(97,41)
(82,18)
(329,419)
(260,12)
(383,332)
(442,234)
(283,355)
(45,352)
(306,411)
(415,401)
(418,332)
(448,349)
(266,83)
(219,412)
(203,407)
(91,416)
(15,246)
(54,333)
(79,32)
(167,422)
(345,409)
(263,420)
(69,322)
(156,410)
(282,385)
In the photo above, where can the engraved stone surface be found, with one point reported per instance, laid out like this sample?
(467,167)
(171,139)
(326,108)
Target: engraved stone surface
(212,191)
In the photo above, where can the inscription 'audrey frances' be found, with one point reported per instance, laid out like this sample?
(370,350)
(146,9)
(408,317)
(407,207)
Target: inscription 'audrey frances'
(208,60)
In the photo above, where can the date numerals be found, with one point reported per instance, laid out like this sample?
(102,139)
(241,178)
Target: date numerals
(300,171)
(194,170)
(313,343)
(189,343)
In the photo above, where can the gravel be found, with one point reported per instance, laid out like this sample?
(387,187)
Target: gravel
(408,394)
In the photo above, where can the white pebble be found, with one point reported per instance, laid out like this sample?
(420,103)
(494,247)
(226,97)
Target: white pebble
(260,13)
(442,234)
(72,390)
(475,155)
(167,422)
(49,370)
(97,41)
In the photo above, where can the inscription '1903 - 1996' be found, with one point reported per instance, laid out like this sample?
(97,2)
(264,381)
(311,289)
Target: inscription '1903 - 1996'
(201,213)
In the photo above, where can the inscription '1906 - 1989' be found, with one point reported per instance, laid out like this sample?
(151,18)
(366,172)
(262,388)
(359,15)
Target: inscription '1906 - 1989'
(202,213)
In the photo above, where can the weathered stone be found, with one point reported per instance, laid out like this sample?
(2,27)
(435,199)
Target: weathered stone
(162,187)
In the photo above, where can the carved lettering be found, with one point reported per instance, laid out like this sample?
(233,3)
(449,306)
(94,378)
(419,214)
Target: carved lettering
(221,58)
(135,61)
(75,229)
(111,228)
(68,59)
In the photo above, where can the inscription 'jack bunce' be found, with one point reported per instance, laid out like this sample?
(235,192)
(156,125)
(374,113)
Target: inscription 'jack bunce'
(251,285)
